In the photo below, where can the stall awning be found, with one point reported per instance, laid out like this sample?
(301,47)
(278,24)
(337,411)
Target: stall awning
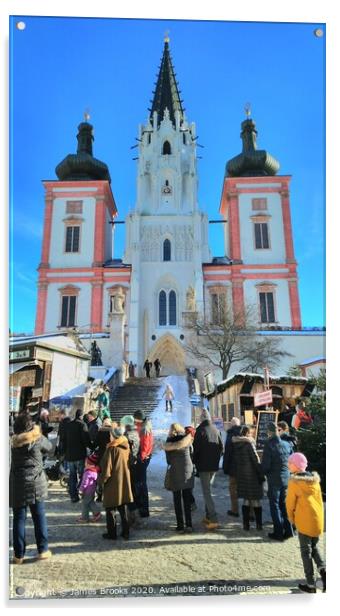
(25,364)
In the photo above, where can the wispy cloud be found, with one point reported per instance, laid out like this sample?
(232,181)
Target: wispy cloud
(25,226)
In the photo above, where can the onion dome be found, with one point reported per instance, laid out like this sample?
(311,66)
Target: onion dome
(252,162)
(83,166)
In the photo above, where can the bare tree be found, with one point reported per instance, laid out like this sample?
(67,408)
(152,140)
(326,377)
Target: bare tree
(233,338)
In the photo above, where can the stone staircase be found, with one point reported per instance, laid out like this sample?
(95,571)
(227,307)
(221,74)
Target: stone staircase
(137,394)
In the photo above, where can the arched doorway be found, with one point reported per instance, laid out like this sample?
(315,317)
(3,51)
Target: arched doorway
(171,355)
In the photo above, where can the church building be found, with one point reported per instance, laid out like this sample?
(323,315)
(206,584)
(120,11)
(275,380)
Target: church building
(138,307)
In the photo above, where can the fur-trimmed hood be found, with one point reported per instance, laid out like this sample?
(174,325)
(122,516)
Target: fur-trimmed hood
(306,477)
(26,438)
(186,441)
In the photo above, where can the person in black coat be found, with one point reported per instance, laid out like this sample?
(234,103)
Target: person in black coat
(44,423)
(274,464)
(208,448)
(93,425)
(180,473)
(61,443)
(229,465)
(77,440)
(28,485)
(249,476)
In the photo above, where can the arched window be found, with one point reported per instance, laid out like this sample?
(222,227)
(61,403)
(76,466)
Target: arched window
(162,308)
(166,147)
(167,250)
(172,308)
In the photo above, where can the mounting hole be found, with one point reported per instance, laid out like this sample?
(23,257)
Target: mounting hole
(153,337)
(20,25)
(181,337)
(318,32)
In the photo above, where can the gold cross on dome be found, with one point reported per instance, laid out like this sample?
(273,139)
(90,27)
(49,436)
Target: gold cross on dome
(166,36)
(247,109)
(86,115)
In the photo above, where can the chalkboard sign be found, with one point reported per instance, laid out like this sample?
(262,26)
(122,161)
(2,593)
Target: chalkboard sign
(263,419)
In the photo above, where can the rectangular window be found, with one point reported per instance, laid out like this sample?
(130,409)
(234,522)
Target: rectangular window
(74,207)
(267,307)
(261,235)
(259,204)
(72,239)
(68,310)
(218,304)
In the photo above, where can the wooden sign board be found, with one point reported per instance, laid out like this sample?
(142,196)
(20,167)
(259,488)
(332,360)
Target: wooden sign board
(264,397)
(248,418)
(263,419)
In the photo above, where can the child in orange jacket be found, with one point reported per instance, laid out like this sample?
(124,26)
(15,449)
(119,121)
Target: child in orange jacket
(305,510)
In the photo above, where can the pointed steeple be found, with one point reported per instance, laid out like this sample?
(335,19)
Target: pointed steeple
(167,94)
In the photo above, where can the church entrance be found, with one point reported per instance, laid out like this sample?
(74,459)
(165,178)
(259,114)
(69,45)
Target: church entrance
(171,355)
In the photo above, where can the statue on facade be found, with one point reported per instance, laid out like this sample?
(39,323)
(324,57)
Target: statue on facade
(118,301)
(191,299)
(96,355)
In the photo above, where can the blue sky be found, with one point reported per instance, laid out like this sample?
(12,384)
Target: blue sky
(61,66)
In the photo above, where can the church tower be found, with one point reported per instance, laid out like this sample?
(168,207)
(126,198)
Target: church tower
(77,243)
(167,234)
(258,237)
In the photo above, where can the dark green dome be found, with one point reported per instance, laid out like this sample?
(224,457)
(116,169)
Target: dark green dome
(83,166)
(251,162)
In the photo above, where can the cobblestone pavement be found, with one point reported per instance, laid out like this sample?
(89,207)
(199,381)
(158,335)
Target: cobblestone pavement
(155,554)
(156,560)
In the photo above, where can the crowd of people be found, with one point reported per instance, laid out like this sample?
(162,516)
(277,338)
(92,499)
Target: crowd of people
(108,465)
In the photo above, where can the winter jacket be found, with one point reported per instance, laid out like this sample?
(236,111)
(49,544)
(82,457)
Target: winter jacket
(28,483)
(289,438)
(275,461)
(301,420)
(146,441)
(181,471)
(134,444)
(208,447)
(103,437)
(115,475)
(45,427)
(229,466)
(77,439)
(61,435)
(93,428)
(248,472)
(89,481)
(304,503)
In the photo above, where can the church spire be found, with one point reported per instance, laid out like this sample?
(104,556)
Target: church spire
(167,94)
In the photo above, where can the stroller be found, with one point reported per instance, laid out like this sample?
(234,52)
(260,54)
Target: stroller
(56,471)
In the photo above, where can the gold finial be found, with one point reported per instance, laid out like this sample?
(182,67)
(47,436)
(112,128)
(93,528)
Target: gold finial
(166,37)
(87,115)
(247,109)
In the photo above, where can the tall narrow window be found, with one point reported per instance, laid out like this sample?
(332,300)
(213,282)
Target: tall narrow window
(217,307)
(68,310)
(72,239)
(261,235)
(166,250)
(166,147)
(172,308)
(162,308)
(267,308)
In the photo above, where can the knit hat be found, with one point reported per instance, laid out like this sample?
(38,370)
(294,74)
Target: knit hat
(272,427)
(117,432)
(205,415)
(127,420)
(299,460)
(235,421)
(139,415)
(93,458)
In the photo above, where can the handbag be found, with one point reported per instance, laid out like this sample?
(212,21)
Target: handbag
(167,479)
